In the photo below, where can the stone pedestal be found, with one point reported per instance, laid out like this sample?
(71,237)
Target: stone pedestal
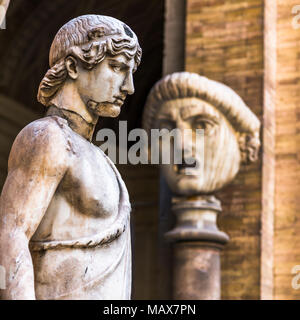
(197,245)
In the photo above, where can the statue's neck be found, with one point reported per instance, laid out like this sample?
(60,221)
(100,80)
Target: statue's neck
(68,104)
(75,121)
(68,98)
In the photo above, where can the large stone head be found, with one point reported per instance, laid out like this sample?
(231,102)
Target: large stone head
(98,55)
(186,100)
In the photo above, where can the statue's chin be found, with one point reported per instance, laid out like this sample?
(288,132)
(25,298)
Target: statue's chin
(114,112)
(105,109)
(110,110)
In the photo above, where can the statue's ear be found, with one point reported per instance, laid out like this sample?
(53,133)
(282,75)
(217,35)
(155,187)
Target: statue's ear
(72,67)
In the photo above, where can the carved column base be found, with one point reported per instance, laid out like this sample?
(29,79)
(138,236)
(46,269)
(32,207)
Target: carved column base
(198,241)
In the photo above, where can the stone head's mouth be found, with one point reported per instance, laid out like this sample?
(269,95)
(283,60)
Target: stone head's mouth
(180,168)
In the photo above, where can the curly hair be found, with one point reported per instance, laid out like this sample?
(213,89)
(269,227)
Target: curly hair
(89,38)
(186,84)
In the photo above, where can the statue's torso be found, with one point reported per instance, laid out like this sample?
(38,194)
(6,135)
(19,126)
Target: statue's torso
(86,204)
(86,199)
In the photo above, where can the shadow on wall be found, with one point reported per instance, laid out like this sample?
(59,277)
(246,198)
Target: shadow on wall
(13,118)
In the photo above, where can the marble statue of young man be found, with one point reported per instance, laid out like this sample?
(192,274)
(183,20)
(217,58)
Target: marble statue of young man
(64,210)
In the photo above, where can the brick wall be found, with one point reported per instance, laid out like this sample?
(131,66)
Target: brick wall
(287,188)
(224,41)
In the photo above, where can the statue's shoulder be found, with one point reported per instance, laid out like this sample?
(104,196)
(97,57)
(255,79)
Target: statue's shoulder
(47,128)
(40,139)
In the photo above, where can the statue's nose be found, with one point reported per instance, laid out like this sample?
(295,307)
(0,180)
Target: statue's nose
(128,85)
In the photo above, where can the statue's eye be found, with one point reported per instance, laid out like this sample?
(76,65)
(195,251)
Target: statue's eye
(166,124)
(205,124)
(116,67)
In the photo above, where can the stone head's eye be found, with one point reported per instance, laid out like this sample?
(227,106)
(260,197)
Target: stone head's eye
(205,124)
(166,124)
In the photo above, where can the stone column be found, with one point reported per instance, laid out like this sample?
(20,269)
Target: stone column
(197,245)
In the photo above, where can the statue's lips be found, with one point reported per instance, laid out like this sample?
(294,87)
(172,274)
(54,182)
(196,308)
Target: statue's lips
(119,101)
(180,168)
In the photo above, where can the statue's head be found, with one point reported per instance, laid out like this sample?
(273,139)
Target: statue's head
(186,100)
(98,55)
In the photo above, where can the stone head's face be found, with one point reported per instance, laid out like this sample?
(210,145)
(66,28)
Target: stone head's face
(106,85)
(217,161)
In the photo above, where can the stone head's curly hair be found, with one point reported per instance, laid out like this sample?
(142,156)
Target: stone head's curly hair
(185,84)
(89,38)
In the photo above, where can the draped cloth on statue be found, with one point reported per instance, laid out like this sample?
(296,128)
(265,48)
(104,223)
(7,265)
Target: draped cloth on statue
(99,266)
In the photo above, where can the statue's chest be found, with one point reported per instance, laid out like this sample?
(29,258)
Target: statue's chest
(91,185)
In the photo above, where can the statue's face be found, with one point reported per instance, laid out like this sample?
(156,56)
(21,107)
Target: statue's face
(219,159)
(107,84)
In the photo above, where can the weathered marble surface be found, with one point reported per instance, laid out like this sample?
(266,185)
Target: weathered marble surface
(186,100)
(64,209)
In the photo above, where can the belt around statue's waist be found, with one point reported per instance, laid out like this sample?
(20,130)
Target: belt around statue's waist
(105,237)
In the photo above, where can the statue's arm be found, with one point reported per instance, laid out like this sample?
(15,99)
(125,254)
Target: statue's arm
(37,163)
